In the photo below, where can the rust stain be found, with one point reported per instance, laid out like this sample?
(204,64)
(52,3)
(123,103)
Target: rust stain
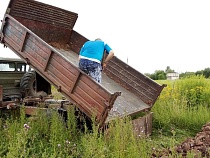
(60,45)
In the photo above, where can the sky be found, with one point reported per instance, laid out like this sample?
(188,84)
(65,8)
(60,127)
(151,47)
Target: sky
(149,35)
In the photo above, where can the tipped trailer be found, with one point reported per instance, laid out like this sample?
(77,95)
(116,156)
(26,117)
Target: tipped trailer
(44,37)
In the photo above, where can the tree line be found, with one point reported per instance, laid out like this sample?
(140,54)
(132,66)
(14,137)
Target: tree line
(162,74)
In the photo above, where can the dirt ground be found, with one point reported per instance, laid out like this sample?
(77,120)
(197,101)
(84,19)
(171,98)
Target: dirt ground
(199,146)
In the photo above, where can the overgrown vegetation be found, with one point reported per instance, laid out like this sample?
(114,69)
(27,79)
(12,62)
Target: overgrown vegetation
(180,112)
(162,74)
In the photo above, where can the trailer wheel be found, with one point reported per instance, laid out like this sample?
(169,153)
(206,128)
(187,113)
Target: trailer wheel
(30,87)
(28,84)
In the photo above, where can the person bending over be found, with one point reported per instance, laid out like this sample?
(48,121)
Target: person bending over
(91,56)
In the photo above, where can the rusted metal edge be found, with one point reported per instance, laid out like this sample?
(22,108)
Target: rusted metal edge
(158,94)
(109,106)
(131,114)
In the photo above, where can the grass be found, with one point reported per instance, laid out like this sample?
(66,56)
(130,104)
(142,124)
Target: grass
(45,136)
(180,112)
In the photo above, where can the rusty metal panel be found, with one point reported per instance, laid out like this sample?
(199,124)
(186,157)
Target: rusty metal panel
(44,13)
(33,111)
(76,41)
(143,125)
(93,99)
(48,22)
(137,83)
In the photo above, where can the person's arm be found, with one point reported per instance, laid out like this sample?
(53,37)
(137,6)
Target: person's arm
(109,57)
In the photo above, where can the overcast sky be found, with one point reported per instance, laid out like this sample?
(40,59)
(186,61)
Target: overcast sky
(151,34)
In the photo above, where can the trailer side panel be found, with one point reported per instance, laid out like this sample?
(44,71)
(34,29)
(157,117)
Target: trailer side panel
(59,71)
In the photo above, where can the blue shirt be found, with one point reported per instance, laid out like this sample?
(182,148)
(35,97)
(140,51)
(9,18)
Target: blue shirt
(94,50)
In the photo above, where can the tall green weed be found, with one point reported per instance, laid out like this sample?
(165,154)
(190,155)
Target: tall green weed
(184,104)
(180,112)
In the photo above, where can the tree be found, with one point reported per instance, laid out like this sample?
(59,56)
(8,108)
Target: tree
(206,72)
(161,75)
(169,70)
(200,72)
(186,74)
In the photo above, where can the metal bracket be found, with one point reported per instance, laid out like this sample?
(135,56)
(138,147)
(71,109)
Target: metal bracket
(27,61)
(2,28)
(59,89)
(2,38)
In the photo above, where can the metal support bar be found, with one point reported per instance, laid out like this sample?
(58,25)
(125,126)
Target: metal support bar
(47,60)
(75,81)
(23,41)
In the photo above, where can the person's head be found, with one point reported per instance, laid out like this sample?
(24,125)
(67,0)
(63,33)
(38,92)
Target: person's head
(98,39)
